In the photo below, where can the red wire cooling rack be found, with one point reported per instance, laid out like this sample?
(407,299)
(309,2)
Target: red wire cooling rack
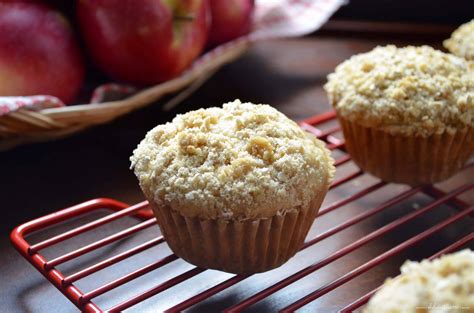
(67,284)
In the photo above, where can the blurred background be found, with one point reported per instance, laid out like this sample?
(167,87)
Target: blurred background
(419,11)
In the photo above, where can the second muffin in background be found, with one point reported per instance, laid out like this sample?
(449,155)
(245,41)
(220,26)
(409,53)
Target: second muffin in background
(407,113)
(234,188)
(461,42)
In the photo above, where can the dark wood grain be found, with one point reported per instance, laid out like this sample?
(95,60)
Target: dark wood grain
(288,74)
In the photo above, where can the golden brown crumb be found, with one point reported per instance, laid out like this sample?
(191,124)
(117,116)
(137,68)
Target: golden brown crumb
(461,42)
(412,90)
(239,161)
(445,284)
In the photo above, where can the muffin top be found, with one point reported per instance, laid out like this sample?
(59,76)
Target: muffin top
(444,283)
(236,162)
(461,42)
(411,90)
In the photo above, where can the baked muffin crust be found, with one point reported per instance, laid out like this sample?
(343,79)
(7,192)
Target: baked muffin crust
(461,42)
(445,284)
(411,90)
(239,161)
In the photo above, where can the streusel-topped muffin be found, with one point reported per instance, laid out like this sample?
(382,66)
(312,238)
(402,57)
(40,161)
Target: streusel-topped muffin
(407,113)
(461,42)
(445,284)
(412,90)
(242,166)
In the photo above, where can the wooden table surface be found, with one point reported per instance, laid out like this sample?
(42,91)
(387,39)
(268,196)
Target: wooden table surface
(288,74)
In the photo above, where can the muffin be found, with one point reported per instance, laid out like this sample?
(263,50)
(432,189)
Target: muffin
(407,114)
(233,188)
(442,285)
(461,42)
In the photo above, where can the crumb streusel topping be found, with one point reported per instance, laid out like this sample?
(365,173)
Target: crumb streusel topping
(239,161)
(412,90)
(445,284)
(461,42)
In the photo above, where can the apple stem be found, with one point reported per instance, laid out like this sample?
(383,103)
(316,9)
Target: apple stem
(184,18)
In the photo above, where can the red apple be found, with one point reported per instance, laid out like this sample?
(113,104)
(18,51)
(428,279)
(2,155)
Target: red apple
(38,54)
(144,41)
(230,19)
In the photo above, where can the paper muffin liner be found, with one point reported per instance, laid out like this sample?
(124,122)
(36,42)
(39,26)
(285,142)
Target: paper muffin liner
(407,159)
(237,246)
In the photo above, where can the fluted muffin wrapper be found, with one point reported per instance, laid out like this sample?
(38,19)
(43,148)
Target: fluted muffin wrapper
(238,246)
(408,159)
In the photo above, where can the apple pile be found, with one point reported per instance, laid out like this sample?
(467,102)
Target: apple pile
(38,53)
(142,42)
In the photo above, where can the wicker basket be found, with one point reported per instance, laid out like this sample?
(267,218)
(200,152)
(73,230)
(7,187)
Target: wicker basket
(27,126)
(275,19)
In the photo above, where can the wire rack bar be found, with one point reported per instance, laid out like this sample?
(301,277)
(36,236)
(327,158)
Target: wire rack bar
(320,118)
(375,261)
(89,226)
(436,193)
(345,179)
(333,146)
(351,198)
(454,246)
(155,290)
(98,244)
(111,261)
(320,133)
(206,294)
(126,278)
(356,219)
(342,160)
(346,250)
(335,141)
